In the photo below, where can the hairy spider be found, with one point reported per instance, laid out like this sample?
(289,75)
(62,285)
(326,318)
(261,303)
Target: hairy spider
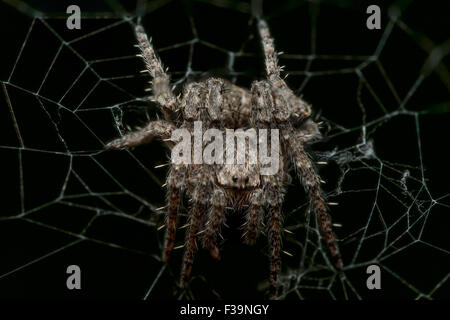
(214,188)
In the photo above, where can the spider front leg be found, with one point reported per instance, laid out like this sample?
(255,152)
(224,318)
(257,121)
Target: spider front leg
(285,106)
(311,183)
(271,59)
(216,217)
(160,128)
(162,92)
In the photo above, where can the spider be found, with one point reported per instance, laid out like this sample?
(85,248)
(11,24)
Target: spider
(212,188)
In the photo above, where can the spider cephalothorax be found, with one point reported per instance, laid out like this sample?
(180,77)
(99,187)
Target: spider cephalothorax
(213,188)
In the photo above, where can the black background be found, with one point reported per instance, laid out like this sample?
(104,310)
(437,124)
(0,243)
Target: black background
(110,272)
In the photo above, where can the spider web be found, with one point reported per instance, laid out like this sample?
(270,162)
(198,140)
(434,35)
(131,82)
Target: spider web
(382,95)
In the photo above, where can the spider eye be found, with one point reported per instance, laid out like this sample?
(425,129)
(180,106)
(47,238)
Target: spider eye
(235,178)
(246,179)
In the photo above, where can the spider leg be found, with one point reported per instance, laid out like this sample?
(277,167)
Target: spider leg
(286,104)
(192,102)
(311,183)
(227,103)
(255,216)
(160,128)
(275,247)
(215,98)
(237,106)
(174,182)
(196,215)
(215,220)
(199,179)
(271,56)
(200,182)
(162,91)
(273,202)
(173,196)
